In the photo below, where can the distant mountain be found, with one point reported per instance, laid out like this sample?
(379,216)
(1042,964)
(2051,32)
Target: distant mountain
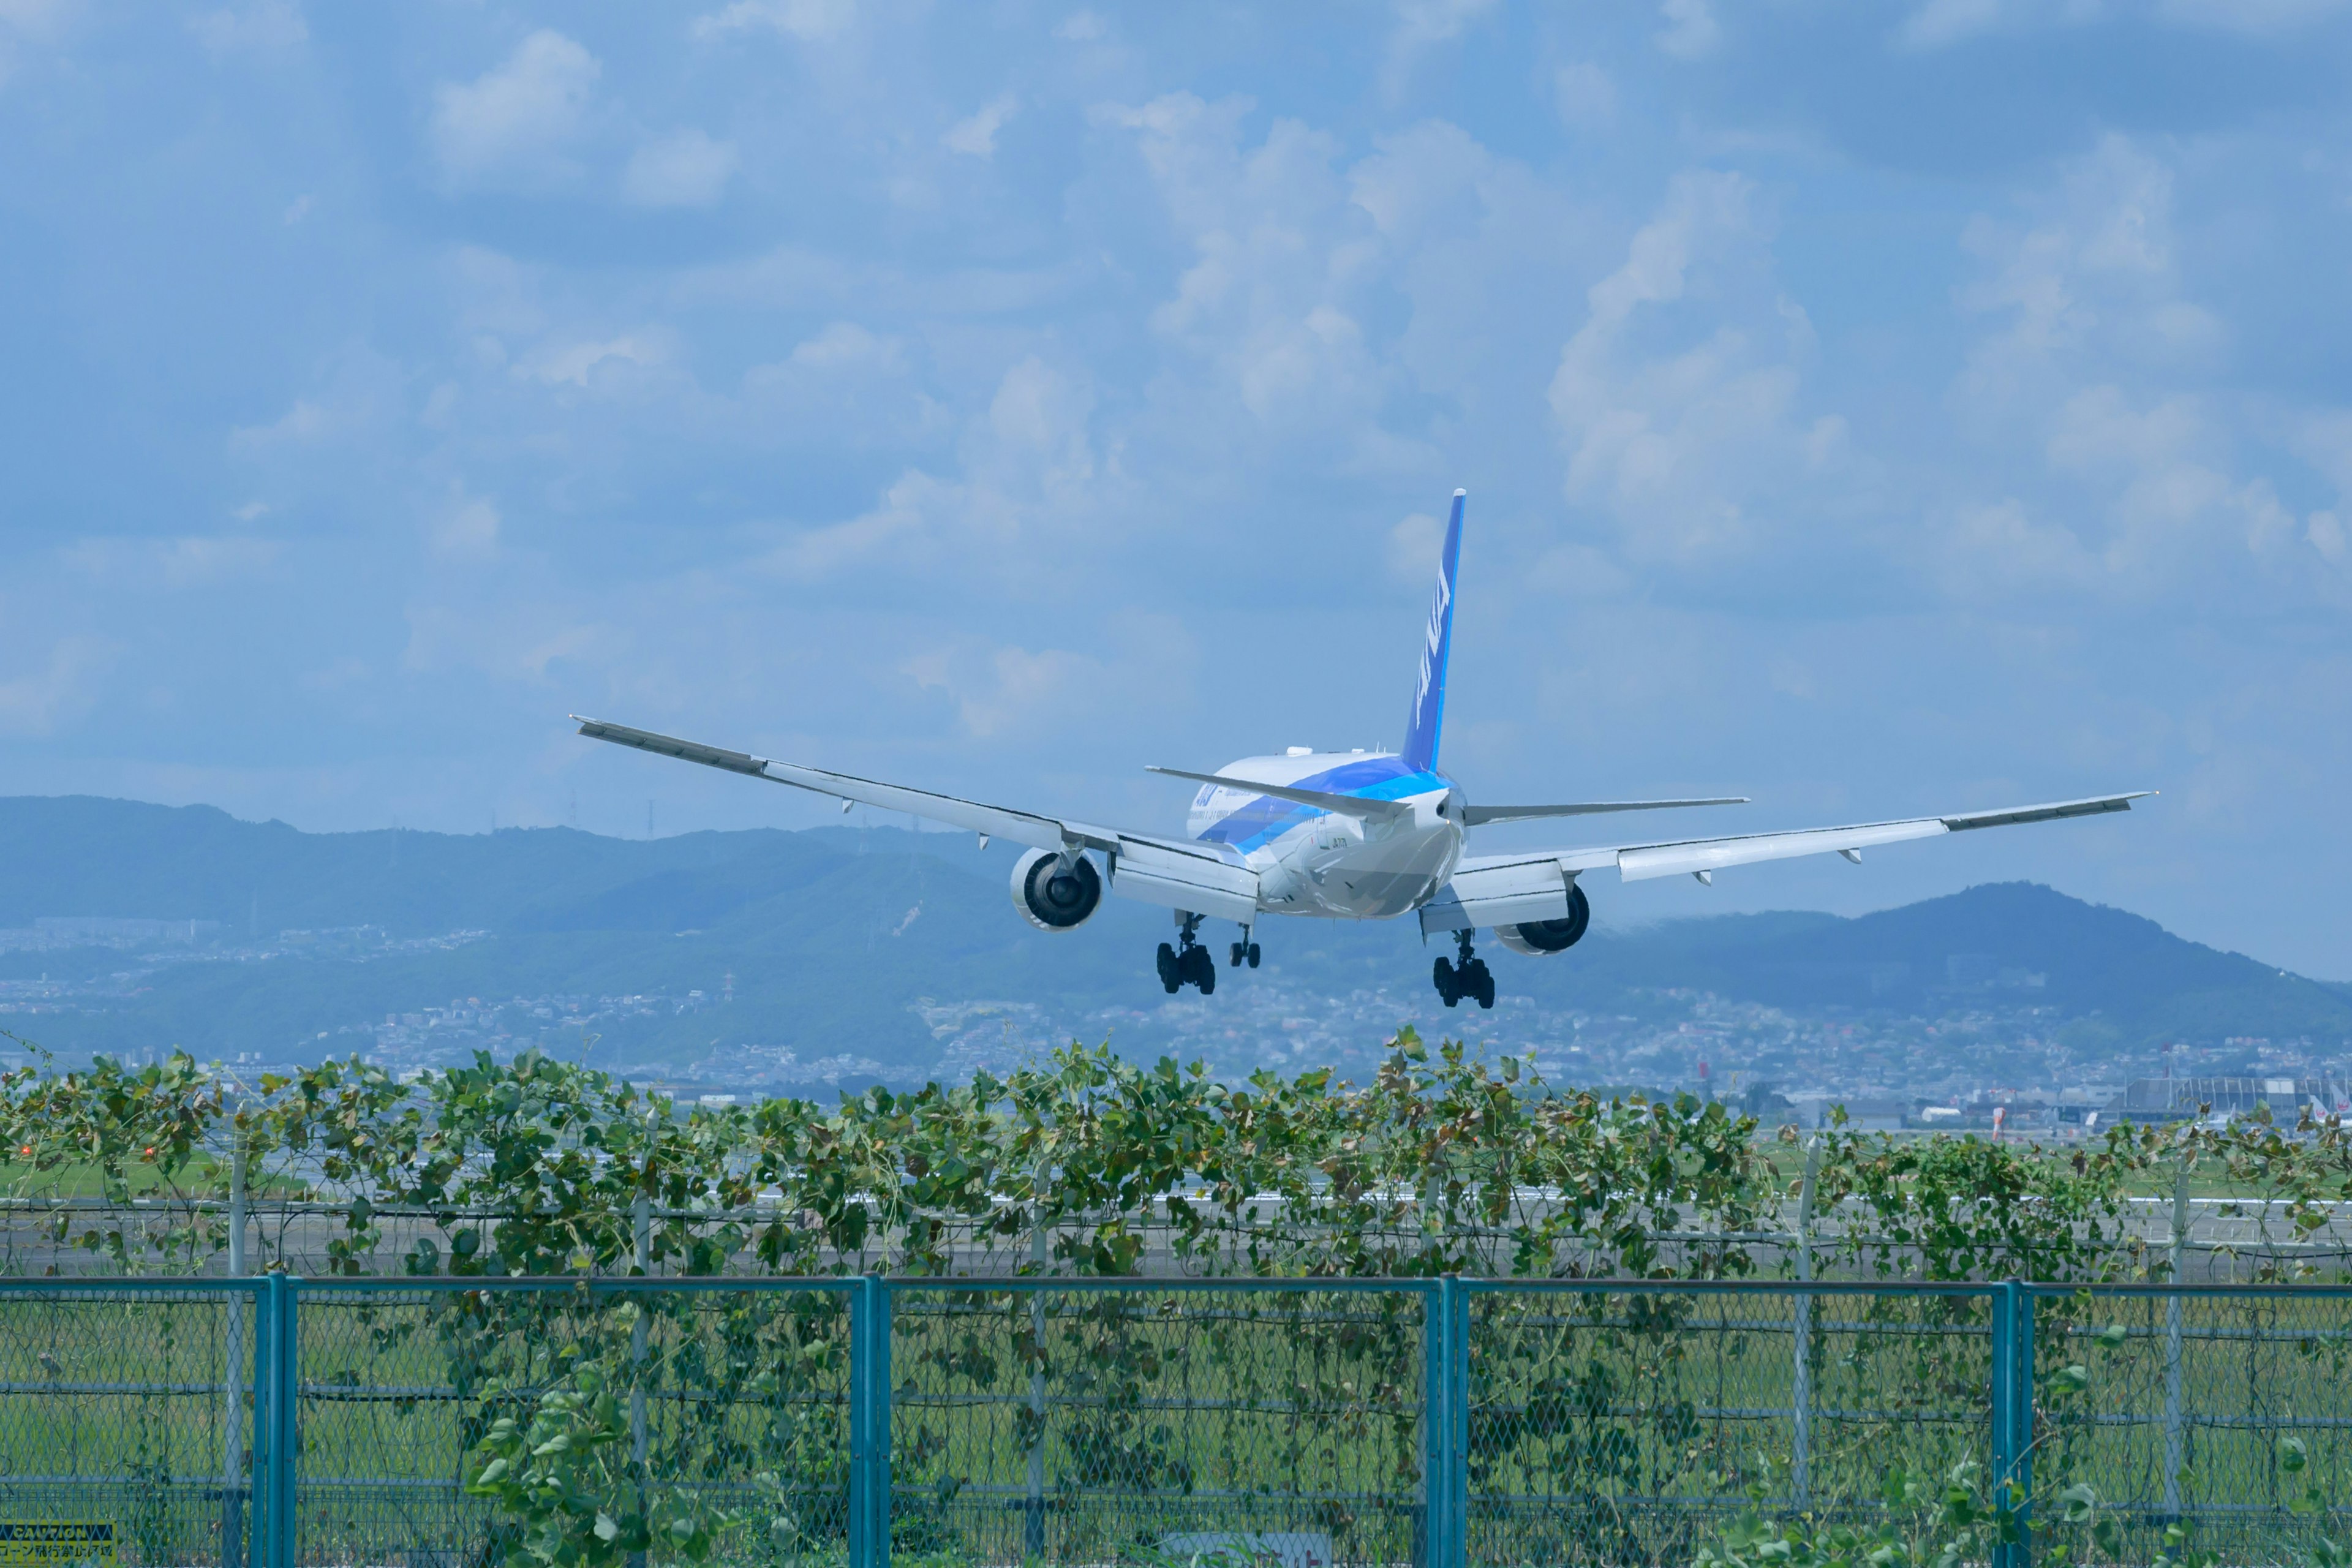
(893,953)
(2011,939)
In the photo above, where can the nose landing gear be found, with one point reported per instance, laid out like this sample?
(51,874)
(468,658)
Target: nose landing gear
(1467,975)
(1246,950)
(1188,963)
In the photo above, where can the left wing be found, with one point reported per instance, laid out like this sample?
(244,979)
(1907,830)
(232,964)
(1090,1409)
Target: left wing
(1181,873)
(1501,889)
(1344,804)
(1479,816)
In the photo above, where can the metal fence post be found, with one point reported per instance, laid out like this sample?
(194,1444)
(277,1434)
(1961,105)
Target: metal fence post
(236,1487)
(1801,1384)
(1436,1342)
(2004,1388)
(1425,1511)
(1445,1425)
(2175,1458)
(641,1229)
(277,1359)
(1033,1535)
(2021,1402)
(1458,1362)
(869,1424)
(2013,1407)
(259,1349)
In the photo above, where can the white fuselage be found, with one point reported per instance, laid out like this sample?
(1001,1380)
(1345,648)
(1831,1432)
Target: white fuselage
(1312,861)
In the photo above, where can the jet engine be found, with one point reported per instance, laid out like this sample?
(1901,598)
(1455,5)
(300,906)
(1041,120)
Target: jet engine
(1051,898)
(1538,937)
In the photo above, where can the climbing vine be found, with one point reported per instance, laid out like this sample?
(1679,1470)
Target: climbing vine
(1086,1164)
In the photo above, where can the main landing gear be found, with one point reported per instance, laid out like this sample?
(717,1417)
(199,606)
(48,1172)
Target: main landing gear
(1188,963)
(1466,977)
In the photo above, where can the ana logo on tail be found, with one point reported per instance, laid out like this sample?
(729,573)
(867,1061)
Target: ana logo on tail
(1429,695)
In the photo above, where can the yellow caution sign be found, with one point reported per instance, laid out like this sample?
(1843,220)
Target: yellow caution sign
(56,1542)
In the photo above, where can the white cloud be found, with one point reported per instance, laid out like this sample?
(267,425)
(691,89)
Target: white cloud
(1939,24)
(804,19)
(1585,97)
(194,561)
(846,345)
(1082,27)
(306,421)
(1029,482)
(1282,256)
(29,16)
(1422,24)
(1993,554)
(66,683)
(2095,358)
(1690,30)
(2085,292)
(1012,690)
(579,362)
(1413,545)
(508,641)
(842,351)
(845,382)
(1681,423)
(976,137)
(263,27)
(515,125)
(2253,19)
(684,169)
(465,529)
(2325,532)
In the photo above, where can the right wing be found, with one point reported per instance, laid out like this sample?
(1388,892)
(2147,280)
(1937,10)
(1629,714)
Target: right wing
(1701,857)
(1180,873)
(1503,890)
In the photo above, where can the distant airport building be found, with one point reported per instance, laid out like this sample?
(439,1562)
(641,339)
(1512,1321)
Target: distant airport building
(2179,1098)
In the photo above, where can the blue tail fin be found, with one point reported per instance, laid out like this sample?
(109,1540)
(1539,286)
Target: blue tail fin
(1429,698)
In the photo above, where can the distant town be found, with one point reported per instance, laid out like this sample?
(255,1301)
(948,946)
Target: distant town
(2004,1062)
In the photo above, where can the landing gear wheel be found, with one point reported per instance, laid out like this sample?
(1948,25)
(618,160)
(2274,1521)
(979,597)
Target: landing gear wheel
(1477,981)
(1241,951)
(1172,973)
(1201,969)
(1466,977)
(1252,955)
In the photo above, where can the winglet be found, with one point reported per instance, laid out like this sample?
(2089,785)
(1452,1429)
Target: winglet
(1428,719)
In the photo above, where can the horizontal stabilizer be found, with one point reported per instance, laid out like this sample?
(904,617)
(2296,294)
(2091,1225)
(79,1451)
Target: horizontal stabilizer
(1477,816)
(1343,805)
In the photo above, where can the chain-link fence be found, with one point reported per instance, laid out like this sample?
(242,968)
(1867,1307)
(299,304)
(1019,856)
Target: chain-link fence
(461,1423)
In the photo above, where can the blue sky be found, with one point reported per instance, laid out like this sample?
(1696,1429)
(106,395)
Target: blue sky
(1871,409)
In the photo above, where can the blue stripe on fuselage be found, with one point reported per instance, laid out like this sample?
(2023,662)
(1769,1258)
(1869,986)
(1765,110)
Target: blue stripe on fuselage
(1263,820)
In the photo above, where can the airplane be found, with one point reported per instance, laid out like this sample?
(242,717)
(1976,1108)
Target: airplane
(1352,834)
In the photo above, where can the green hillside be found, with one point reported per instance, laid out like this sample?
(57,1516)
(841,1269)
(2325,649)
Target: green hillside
(831,942)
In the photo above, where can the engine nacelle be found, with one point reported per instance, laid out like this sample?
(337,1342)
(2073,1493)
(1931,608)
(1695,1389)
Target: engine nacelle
(1051,898)
(1536,937)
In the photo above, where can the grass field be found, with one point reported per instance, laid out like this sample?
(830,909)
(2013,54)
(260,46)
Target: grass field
(1086,1426)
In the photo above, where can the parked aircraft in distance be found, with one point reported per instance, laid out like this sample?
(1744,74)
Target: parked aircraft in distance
(1343,835)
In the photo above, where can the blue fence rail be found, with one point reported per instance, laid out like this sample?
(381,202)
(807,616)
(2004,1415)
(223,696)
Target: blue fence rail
(270,1422)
